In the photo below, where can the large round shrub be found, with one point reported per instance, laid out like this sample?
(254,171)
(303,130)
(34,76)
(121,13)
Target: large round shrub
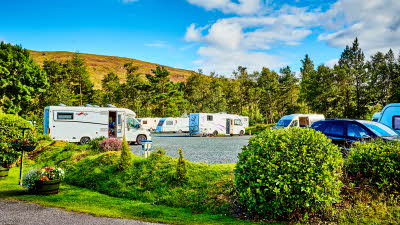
(376,164)
(9,129)
(284,173)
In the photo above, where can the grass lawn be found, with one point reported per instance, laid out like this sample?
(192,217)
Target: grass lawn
(83,200)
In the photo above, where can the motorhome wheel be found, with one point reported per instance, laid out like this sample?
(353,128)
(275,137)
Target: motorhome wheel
(241,133)
(179,131)
(84,140)
(140,138)
(215,133)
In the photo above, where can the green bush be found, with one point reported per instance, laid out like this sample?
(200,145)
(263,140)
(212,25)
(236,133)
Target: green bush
(94,144)
(181,167)
(282,174)
(258,128)
(375,164)
(125,160)
(9,129)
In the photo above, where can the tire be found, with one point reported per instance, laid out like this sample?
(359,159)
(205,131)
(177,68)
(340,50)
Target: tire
(215,133)
(241,133)
(140,138)
(84,140)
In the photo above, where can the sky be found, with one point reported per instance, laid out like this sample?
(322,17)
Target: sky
(212,35)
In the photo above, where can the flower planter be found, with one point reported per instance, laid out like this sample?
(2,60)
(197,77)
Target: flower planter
(46,187)
(4,173)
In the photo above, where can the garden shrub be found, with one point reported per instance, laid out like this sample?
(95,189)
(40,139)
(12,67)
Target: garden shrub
(111,144)
(375,163)
(286,173)
(181,166)
(94,144)
(9,129)
(125,160)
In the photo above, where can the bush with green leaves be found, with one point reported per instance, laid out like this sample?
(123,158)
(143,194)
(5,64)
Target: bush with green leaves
(375,163)
(10,130)
(285,173)
(125,160)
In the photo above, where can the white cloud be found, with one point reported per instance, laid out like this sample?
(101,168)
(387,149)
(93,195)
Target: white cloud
(225,61)
(245,39)
(242,7)
(331,63)
(376,23)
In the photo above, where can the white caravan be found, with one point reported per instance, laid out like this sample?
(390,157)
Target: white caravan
(298,120)
(82,124)
(149,123)
(376,116)
(390,116)
(217,123)
(173,124)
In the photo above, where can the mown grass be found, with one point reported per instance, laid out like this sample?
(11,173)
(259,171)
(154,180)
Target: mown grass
(83,200)
(205,187)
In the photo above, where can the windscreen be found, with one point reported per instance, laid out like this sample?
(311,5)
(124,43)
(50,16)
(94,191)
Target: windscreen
(380,129)
(283,123)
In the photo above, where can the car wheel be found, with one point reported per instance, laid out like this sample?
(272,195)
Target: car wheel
(84,140)
(140,138)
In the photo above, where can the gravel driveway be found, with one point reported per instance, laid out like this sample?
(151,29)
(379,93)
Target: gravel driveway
(20,213)
(212,150)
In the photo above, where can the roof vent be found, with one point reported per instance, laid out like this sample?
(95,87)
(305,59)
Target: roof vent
(96,106)
(62,104)
(88,105)
(111,106)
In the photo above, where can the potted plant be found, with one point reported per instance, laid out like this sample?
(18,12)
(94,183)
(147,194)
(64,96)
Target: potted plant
(26,144)
(8,157)
(44,181)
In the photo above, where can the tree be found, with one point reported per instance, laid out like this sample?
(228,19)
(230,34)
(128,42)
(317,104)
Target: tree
(111,89)
(21,79)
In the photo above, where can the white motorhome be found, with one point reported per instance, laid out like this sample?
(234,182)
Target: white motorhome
(217,123)
(390,116)
(298,120)
(82,124)
(149,123)
(173,124)
(376,116)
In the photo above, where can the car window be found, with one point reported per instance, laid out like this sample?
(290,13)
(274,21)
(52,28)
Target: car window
(355,130)
(335,128)
(380,129)
(319,126)
(295,123)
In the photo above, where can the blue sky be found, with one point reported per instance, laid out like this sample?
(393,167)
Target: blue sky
(214,35)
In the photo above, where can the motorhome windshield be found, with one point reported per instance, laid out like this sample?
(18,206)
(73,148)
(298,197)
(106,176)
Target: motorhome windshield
(283,123)
(380,129)
(160,123)
(133,123)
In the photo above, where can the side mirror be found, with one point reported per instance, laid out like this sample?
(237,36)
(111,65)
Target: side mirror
(366,136)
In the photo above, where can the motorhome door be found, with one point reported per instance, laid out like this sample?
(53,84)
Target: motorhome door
(228,126)
(120,124)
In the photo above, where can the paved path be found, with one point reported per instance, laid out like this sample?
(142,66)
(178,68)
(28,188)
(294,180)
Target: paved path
(20,213)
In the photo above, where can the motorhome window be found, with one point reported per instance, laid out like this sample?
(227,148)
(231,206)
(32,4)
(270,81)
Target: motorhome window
(283,123)
(133,123)
(396,122)
(65,116)
(295,123)
(209,118)
(238,122)
(144,121)
(160,123)
(119,120)
(170,123)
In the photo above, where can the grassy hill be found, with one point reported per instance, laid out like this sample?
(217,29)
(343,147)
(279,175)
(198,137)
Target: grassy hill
(100,65)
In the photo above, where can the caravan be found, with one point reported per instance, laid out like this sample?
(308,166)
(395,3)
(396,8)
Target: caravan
(217,123)
(390,116)
(82,124)
(173,124)
(298,120)
(149,123)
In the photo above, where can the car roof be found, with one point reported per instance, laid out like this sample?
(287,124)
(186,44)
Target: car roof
(345,120)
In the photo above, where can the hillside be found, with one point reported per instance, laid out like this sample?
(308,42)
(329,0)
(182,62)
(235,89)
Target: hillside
(100,65)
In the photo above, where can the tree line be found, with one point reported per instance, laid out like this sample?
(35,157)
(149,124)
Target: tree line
(353,88)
